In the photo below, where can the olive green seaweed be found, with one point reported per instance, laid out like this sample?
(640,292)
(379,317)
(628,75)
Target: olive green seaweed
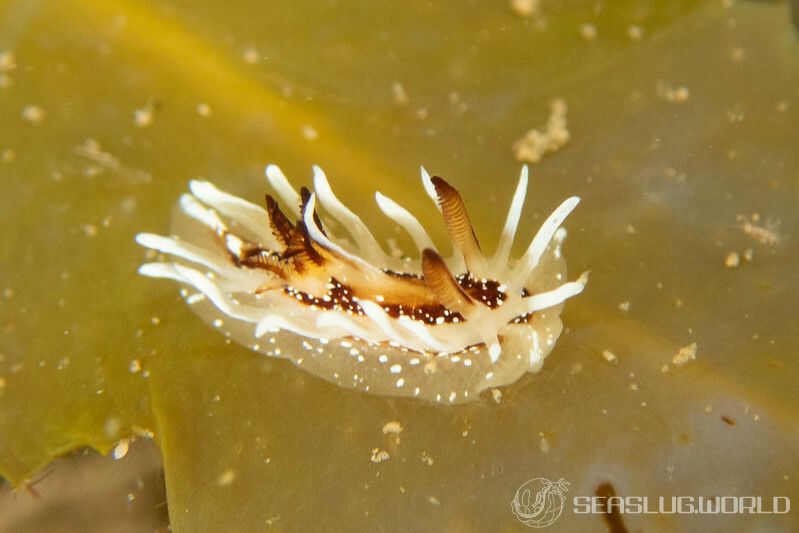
(682,119)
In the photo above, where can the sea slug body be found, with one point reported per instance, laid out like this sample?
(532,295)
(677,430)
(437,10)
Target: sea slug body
(281,282)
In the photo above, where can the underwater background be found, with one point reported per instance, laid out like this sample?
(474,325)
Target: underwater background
(682,122)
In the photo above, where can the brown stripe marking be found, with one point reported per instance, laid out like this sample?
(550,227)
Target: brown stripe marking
(611,515)
(439,280)
(457,221)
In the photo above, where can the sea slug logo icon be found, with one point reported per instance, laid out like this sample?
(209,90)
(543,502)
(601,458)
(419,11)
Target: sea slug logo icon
(539,502)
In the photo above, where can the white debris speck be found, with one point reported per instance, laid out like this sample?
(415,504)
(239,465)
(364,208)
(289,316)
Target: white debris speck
(226,478)
(378,455)
(33,114)
(685,354)
(395,250)
(112,426)
(535,144)
(458,103)
(544,444)
(736,114)
(610,357)
(496,395)
(395,369)
(144,116)
(635,32)
(732,260)
(427,459)
(194,298)
(525,8)
(433,500)
(393,427)
(588,31)
(8,61)
(134,366)
(667,92)
(251,56)
(763,234)
(121,449)
(92,150)
(399,94)
(309,133)
(204,110)
(624,306)
(89,229)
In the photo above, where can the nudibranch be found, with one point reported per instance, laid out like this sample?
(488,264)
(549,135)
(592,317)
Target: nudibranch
(282,282)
